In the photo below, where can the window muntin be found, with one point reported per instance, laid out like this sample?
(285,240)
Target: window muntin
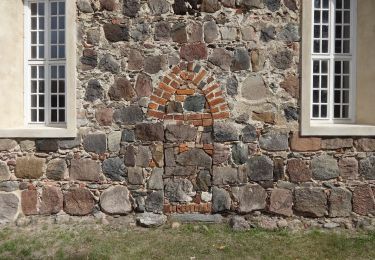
(332,60)
(46,63)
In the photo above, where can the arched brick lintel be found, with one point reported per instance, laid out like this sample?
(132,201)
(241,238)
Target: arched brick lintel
(181,83)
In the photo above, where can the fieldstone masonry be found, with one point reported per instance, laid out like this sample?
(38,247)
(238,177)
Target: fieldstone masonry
(188,107)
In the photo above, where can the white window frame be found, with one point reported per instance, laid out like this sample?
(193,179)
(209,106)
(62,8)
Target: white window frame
(47,62)
(308,126)
(331,57)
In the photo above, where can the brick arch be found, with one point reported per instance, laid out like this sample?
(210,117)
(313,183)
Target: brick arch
(188,80)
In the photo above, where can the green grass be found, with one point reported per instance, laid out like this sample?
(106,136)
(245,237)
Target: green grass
(80,241)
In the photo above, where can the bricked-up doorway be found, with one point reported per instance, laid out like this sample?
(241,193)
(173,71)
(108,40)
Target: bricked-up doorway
(188,101)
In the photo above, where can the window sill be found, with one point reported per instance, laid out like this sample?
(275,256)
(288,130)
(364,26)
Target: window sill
(338,130)
(41,132)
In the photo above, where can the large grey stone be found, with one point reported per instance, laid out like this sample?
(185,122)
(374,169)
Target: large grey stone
(251,4)
(340,202)
(4,172)
(158,7)
(254,88)
(57,169)
(194,103)
(249,134)
(194,157)
(85,6)
(109,63)
(272,5)
(240,153)
(96,143)
(290,33)
(29,167)
(221,58)
(225,132)
(232,86)
(259,168)
(47,145)
(155,201)
(148,219)
(281,202)
(94,90)
(221,153)
(204,180)
(156,179)
(193,217)
(211,31)
(116,200)
(282,59)
(9,186)
(180,171)
(228,176)
(114,169)
(324,167)
(221,200)
(310,201)
(241,60)
(7,144)
(180,133)
(143,156)
(367,167)
(85,170)
(274,141)
(135,175)
(250,197)
(149,132)
(179,190)
(116,32)
(114,140)
(122,89)
(9,207)
(128,115)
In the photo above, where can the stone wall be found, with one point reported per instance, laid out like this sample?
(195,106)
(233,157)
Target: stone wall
(188,107)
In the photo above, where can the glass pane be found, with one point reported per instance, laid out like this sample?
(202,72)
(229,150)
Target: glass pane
(34,72)
(34,86)
(345,81)
(324,111)
(316,81)
(325,31)
(41,72)
(53,52)
(338,32)
(316,46)
(324,46)
(324,82)
(337,96)
(61,37)
(41,115)
(33,52)
(338,17)
(346,67)
(34,101)
(41,52)
(346,31)
(336,111)
(347,17)
(41,23)
(316,66)
(316,96)
(338,46)
(324,97)
(337,82)
(61,51)
(54,86)
(61,101)
(41,86)
(53,101)
(347,4)
(62,115)
(316,31)
(33,23)
(41,37)
(337,67)
(62,72)
(346,46)
(324,66)
(62,86)
(62,22)
(33,115)
(54,23)
(41,9)
(33,37)
(317,3)
(315,111)
(54,8)
(53,37)
(317,16)
(41,100)
(53,115)
(53,72)
(61,8)
(325,17)
(339,4)
(345,111)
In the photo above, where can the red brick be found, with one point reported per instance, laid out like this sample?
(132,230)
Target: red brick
(152,106)
(216,101)
(176,69)
(178,117)
(185,91)
(197,122)
(194,116)
(167,208)
(167,88)
(174,84)
(180,98)
(166,80)
(206,115)
(158,100)
(221,115)
(156,114)
(199,77)
(211,88)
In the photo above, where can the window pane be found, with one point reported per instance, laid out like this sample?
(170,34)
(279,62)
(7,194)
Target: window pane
(62,115)
(315,111)
(324,82)
(61,101)
(337,96)
(316,66)
(54,115)
(317,3)
(34,115)
(53,8)
(317,16)
(324,111)
(325,17)
(324,97)
(41,9)
(53,101)
(34,101)
(315,96)
(339,4)
(41,115)
(324,46)
(324,66)
(41,100)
